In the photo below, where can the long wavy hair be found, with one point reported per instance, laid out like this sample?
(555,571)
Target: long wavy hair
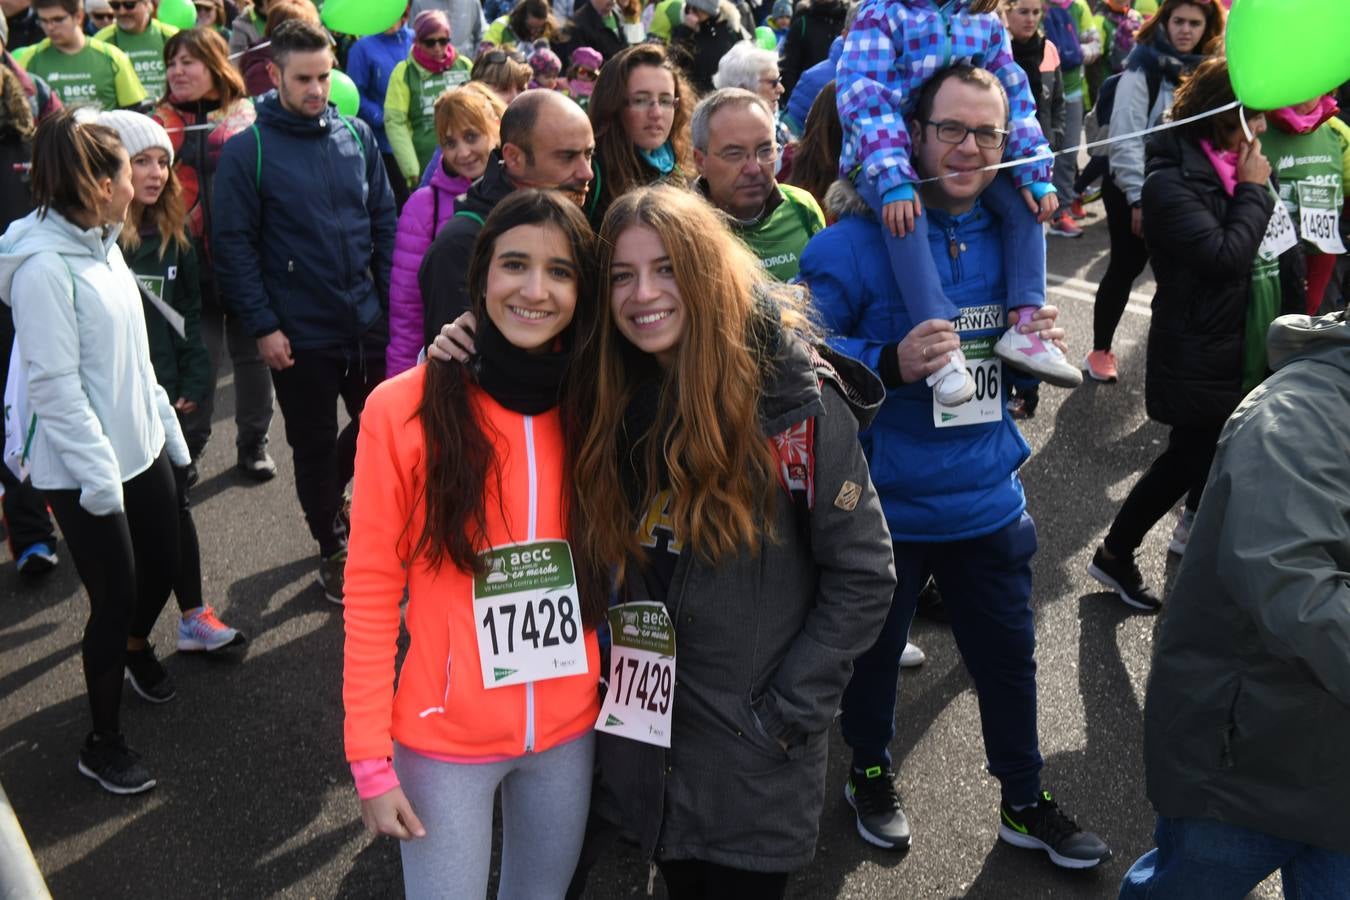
(706,435)
(462,471)
(816,164)
(623,168)
(210,48)
(1215,18)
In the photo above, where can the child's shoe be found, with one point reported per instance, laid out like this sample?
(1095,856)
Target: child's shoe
(1028,353)
(952,384)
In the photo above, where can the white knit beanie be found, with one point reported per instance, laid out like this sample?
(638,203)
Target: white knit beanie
(138,132)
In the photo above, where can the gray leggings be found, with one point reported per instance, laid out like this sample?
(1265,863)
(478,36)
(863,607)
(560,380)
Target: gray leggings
(545,798)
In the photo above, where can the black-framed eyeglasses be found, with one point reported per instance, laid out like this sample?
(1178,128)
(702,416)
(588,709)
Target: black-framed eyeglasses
(765,155)
(434,42)
(952,132)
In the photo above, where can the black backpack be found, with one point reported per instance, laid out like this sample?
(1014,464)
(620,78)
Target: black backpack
(1106,95)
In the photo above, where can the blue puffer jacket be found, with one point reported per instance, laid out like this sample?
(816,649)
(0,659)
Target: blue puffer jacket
(808,87)
(936,484)
(305,204)
(370,62)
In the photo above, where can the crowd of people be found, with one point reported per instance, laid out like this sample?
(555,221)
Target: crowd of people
(681,346)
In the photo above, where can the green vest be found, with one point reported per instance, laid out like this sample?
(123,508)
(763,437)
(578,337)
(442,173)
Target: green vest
(423,90)
(1308,167)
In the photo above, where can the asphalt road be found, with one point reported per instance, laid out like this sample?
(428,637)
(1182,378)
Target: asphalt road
(254,798)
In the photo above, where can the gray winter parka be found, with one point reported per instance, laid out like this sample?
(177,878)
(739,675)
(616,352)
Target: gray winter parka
(1247,719)
(765,645)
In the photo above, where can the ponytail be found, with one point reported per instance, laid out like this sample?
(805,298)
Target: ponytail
(70,158)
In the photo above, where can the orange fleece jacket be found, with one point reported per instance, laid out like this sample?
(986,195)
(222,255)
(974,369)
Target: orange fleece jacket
(441,706)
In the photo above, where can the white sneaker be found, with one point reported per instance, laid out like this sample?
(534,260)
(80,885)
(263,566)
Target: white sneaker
(912,657)
(1028,353)
(952,384)
(1181,535)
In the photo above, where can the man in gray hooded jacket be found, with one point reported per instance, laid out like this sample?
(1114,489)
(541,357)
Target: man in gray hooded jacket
(1247,719)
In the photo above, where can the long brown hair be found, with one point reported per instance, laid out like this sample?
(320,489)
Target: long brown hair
(168,217)
(815,166)
(623,170)
(538,9)
(70,158)
(460,463)
(1215,18)
(706,434)
(209,47)
(1208,87)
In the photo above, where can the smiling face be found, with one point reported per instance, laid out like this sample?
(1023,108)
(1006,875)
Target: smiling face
(650,113)
(958,165)
(644,297)
(531,292)
(1185,27)
(466,152)
(133,17)
(189,78)
(149,175)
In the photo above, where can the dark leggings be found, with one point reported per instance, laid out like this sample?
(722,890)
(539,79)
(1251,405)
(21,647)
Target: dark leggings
(1179,472)
(696,879)
(187,585)
(1128,258)
(1097,167)
(127,562)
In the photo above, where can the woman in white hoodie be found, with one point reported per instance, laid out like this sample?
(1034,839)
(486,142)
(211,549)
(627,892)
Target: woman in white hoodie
(99,432)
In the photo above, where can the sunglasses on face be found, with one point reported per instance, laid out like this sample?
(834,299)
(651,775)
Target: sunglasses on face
(123,5)
(435,42)
(102,17)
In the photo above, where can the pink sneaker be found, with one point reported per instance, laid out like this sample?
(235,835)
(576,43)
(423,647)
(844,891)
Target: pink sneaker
(1101,366)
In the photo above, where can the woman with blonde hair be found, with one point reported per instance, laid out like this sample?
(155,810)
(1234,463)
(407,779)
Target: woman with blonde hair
(506,72)
(467,123)
(204,105)
(724,482)
(640,111)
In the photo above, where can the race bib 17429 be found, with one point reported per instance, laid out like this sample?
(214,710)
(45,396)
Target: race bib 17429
(641,674)
(528,614)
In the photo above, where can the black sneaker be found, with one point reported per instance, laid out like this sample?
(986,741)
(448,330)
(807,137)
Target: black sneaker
(256,463)
(1123,576)
(148,677)
(872,795)
(116,767)
(1045,827)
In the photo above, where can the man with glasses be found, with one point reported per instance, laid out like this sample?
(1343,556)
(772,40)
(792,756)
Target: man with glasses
(82,70)
(947,477)
(546,142)
(141,37)
(735,153)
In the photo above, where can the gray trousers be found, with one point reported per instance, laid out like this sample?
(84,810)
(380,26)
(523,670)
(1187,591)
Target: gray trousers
(1066,164)
(252,382)
(545,799)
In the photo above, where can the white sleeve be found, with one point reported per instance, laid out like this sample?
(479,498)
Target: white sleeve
(1129,114)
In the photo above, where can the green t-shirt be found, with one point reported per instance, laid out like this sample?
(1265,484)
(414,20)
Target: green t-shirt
(1309,168)
(779,239)
(145,50)
(99,75)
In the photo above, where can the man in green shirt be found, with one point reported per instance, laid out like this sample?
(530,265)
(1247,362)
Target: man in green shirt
(734,151)
(141,37)
(83,71)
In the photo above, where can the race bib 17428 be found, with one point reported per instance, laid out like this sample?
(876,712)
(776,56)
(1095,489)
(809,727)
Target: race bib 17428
(641,674)
(528,614)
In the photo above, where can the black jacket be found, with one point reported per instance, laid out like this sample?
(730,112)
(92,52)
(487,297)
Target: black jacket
(1202,244)
(808,39)
(589,30)
(700,51)
(444,275)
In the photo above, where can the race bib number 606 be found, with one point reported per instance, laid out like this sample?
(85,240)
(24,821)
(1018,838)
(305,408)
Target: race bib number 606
(528,614)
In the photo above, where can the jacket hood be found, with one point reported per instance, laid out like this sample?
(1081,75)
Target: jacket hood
(1306,337)
(842,199)
(50,233)
(272,114)
(798,371)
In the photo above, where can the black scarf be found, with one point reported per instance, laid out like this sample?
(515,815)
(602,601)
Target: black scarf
(1028,54)
(1160,56)
(523,382)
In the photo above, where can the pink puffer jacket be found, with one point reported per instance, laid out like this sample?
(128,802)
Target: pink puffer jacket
(416,231)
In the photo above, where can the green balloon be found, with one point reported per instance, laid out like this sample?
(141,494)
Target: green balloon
(343,93)
(178,13)
(765,39)
(1285,52)
(362,17)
